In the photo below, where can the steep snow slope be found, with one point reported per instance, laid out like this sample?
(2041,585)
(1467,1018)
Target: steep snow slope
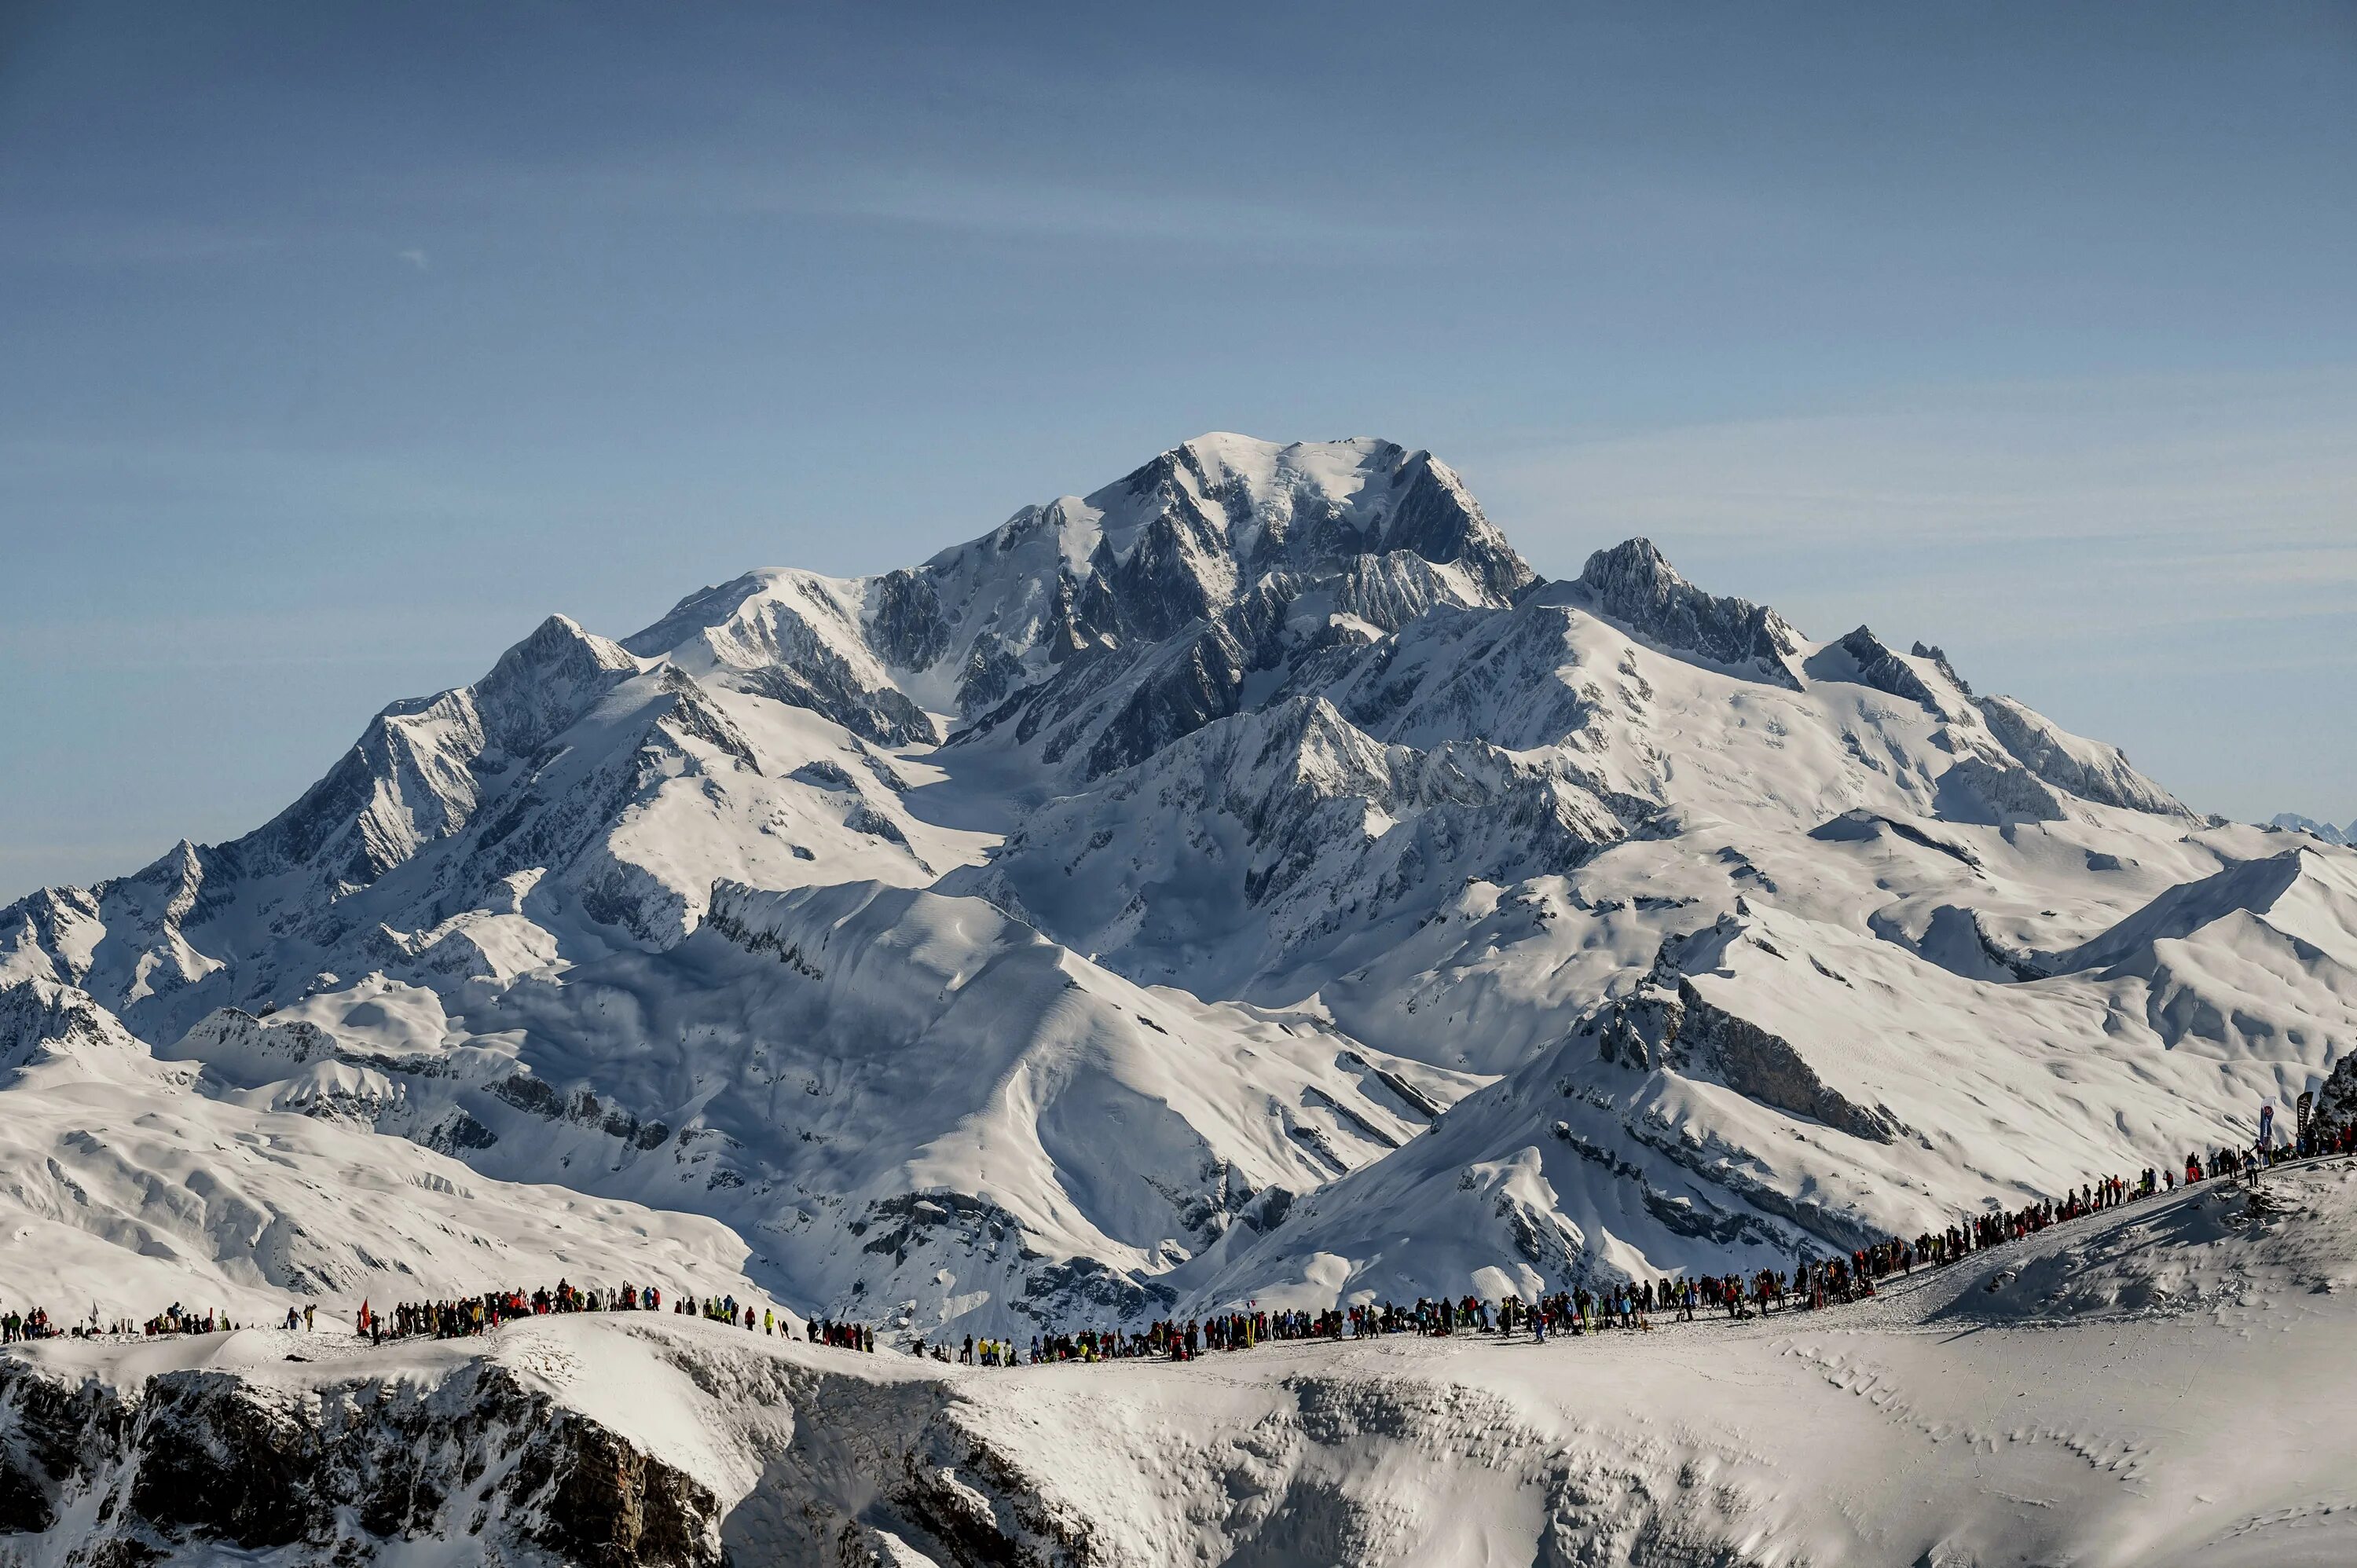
(1102,915)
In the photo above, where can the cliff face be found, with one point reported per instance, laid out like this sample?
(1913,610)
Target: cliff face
(193,1464)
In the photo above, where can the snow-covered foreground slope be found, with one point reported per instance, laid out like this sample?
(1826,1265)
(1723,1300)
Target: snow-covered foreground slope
(1247,880)
(2161,1384)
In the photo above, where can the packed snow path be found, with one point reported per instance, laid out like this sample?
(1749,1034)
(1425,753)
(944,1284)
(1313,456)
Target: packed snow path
(2167,1382)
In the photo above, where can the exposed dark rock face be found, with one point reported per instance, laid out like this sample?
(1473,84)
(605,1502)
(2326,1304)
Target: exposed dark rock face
(199,1464)
(1193,557)
(693,714)
(1753,1062)
(826,776)
(1634,585)
(1637,1031)
(2337,1101)
(1165,582)
(822,684)
(609,1505)
(906,624)
(991,671)
(866,818)
(1437,520)
(1190,685)
(1939,657)
(38,1016)
(1653,1028)
(1076,625)
(1874,664)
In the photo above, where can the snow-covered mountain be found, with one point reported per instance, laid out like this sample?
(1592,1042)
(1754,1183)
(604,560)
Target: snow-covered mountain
(1248,879)
(2324,831)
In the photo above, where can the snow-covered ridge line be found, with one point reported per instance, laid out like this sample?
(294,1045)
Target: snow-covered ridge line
(598,1438)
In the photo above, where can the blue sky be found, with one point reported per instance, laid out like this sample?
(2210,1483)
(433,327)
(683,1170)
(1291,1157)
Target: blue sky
(340,344)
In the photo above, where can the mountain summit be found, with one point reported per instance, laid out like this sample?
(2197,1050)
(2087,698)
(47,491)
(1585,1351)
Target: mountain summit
(1246,880)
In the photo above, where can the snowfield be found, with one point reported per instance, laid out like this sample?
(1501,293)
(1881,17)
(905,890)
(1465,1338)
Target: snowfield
(1247,882)
(2164,1383)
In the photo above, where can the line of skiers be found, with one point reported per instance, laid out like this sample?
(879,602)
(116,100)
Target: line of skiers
(174,1320)
(478,1315)
(1632,1305)
(460,1316)
(842,1336)
(18,1326)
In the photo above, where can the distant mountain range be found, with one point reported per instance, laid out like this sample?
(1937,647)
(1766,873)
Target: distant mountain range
(1249,880)
(2325,830)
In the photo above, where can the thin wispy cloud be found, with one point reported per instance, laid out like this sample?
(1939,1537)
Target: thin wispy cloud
(415,258)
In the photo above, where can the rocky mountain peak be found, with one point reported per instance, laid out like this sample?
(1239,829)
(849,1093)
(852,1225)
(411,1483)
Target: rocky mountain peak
(547,681)
(1634,584)
(1864,657)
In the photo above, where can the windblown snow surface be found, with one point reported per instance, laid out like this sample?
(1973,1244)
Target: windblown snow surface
(1249,881)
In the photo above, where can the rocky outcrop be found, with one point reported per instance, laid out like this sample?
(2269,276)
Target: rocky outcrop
(1862,657)
(905,623)
(1939,657)
(1656,1027)
(2337,1101)
(193,1466)
(1190,686)
(39,1018)
(1435,517)
(1633,584)
(821,684)
(991,672)
(1765,1067)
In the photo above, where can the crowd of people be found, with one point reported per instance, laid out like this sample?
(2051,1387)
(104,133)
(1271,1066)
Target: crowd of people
(1633,1306)
(20,1326)
(461,1317)
(16,1326)
(1630,1305)
(466,1316)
